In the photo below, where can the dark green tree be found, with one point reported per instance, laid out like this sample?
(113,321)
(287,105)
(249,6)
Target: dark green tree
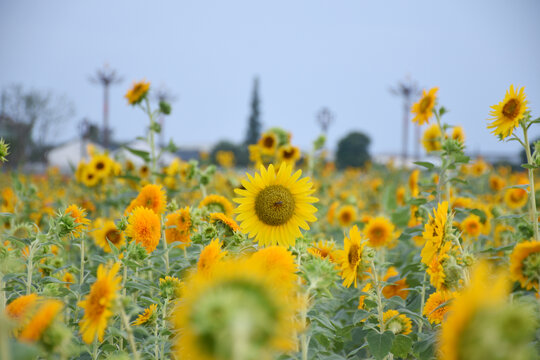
(353,150)
(254,122)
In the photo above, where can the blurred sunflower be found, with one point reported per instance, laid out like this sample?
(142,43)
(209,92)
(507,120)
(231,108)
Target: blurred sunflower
(432,138)
(209,257)
(515,198)
(278,263)
(257,314)
(379,232)
(435,232)
(225,220)
(350,259)
(79,217)
(144,227)
(137,92)
(151,197)
(217,203)
(275,205)
(346,215)
(147,316)
(108,232)
(288,154)
(99,303)
(178,227)
(396,288)
(323,249)
(458,134)
(101,165)
(507,114)
(268,143)
(42,319)
(423,109)
(397,323)
(471,226)
(525,264)
(21,306)
(437,306)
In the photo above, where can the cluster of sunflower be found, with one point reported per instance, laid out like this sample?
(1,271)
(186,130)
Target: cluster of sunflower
(190,261)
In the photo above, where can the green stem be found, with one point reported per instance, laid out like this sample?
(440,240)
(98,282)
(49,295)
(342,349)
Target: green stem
(165,248)
(129,332)
(532,193)
(156,345)
(164,324)
(422,301)
(2,294)
(5,347)
(82,264)
(152,142)
(378,290)
(95,349)
(30,269)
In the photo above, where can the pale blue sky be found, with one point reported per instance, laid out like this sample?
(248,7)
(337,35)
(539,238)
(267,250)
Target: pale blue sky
(308,54)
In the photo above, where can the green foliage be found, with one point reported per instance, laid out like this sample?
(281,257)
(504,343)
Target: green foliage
(353,151)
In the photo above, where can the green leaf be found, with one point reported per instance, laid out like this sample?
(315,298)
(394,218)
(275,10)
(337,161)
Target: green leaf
(425,164)
(402,346)
(145,155)
(380,344)
(527,166)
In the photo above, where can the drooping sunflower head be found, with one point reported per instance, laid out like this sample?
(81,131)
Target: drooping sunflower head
(99,303)
(323,249)
(223,219)
(432,138)
(151,197)
(239,312)
(20,308)
(217,203)
(506,115)
(397,323)
(380,232)
(108,232)
(178,227)
(275,205)
(43,318)
(138,92)
(423,109)
(525,264)
(458,134)
(144,227)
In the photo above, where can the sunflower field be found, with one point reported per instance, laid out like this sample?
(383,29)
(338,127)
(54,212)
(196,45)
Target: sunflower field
(289,259)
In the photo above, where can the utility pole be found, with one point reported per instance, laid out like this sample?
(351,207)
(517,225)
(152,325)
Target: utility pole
(163,94)
(106,77)
(407,90)
(325,118)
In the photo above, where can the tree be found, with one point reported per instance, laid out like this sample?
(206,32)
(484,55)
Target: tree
(254,122)
(352,150)
(241,155)
(31,118)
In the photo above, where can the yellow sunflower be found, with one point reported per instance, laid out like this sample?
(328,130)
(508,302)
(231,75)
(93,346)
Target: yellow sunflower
(279,264)
(79,217)
(268,143)
(101,165)
(352,265)
(525,264)
(472,226)
(257,314)
(148,314)
(209,257)
(21,306)
(435,232)
(423,109)
(396,322)
(396,288)
(507,114)
(515,198)
(151,197)
(288,154)
(42,319)
(361,300)
(346,215)
(137,92)
(144,227)
(379,232)
(323,250)
(225,220)
(178,227)
(108,232)
(275,205)
(413,182)
(68,278)
(99,303)
(437,306)
(217,203)
(89,177)
(458,134)
(432,138)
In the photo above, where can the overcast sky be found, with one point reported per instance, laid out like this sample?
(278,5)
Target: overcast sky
(308,54)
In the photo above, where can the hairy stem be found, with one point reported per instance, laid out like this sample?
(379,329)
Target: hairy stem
(532,193)
(129,331)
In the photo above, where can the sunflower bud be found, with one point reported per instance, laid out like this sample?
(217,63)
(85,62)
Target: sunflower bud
(4,150)
(165,107)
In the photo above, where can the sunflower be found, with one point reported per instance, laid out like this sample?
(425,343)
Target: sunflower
(68,278)
(507,113)
(350,259)
(322,249)
(330,215)
(423,109)
(108,232)
(89,177)
(432,138)
(144,171)
(79,217)
(400,195)
(278,263)
(346,215)
(485,292)
(396,322)
(144,227)
(257,315)
(225,158)
(366,289)
(42,319)
(437,306)
(178,227)
(99,302)
(268,143)
(515,198)
(289,154)
(435,232)
(147,316)
(413,182)
(275,205)
(458,134)
(525,264)
(101,165)
(21,306)
(217,203)
(209,257)
(151,197)
(380,232)
(9,199)
(396,288)
(472,226)
(137,92)
(225,220)
(170,287)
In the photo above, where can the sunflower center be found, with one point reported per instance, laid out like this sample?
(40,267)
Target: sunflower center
(268,142)
(353,254)
(511,109)
(425,103)
(100,165)
(113,236)
(274,205)
(288,154)
(346,217)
